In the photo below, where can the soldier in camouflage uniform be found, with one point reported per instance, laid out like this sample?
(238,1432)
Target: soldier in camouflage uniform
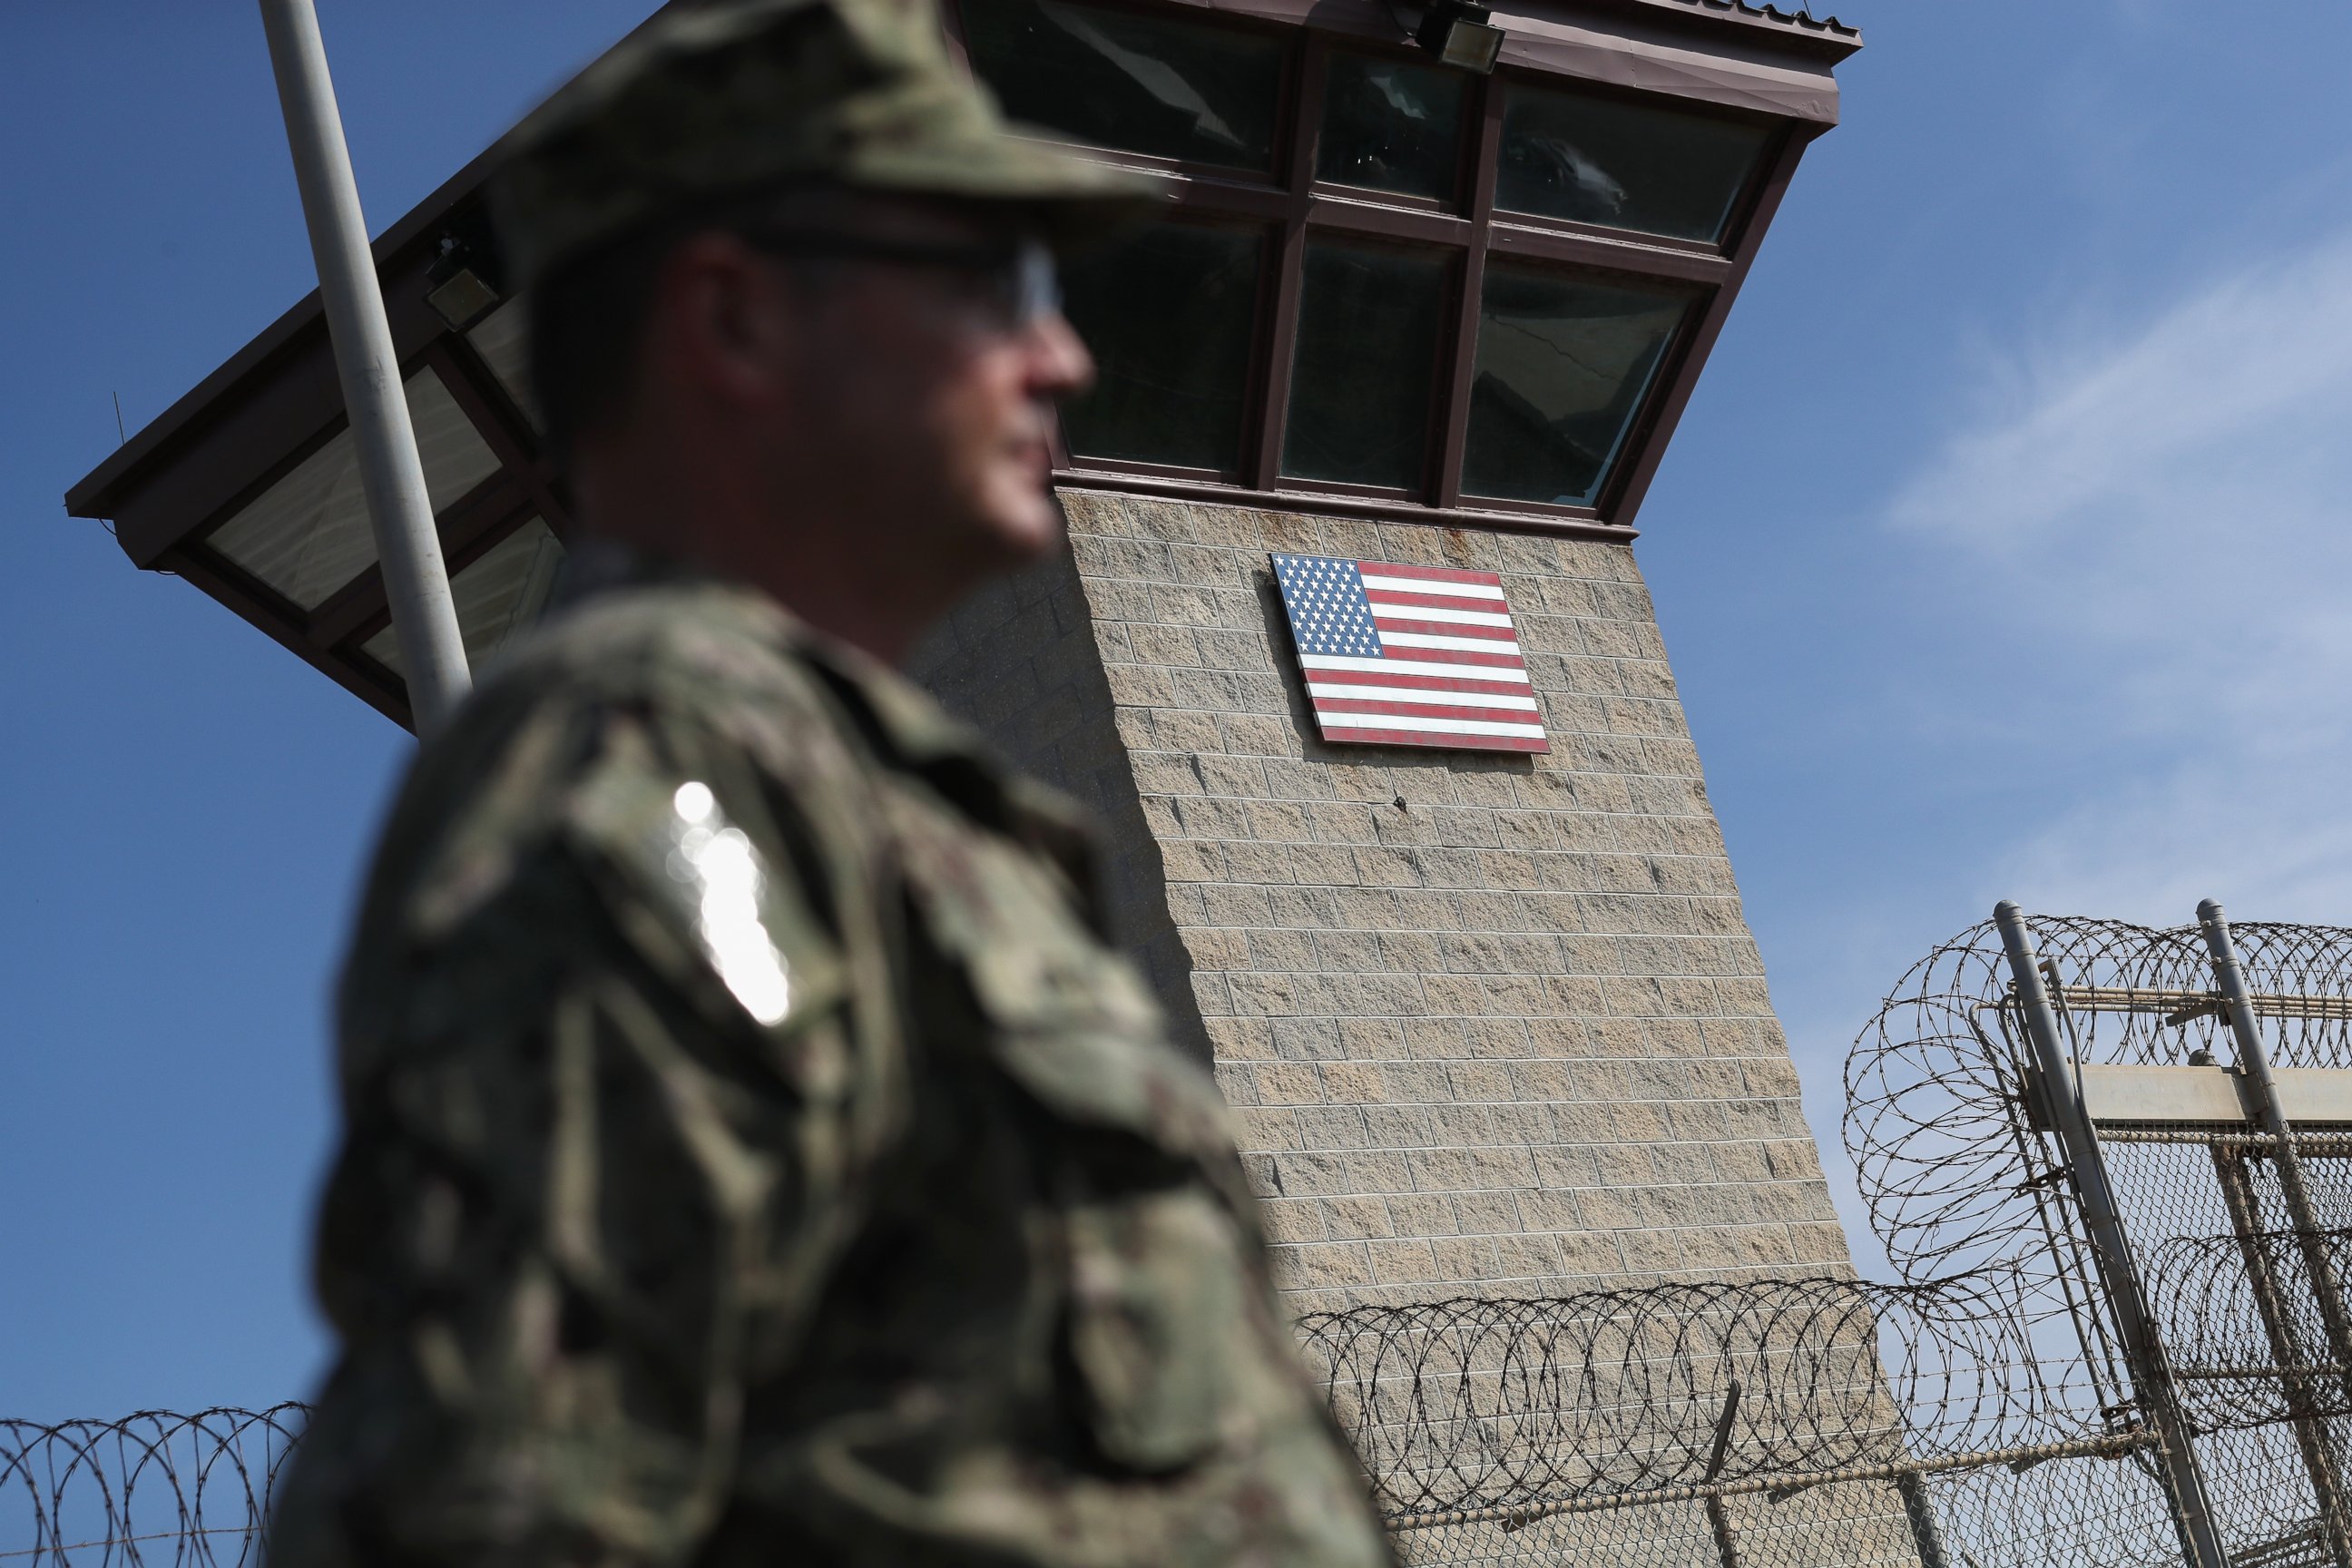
(755,1152)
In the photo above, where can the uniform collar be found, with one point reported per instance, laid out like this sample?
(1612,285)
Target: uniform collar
(901,719)
(593,567)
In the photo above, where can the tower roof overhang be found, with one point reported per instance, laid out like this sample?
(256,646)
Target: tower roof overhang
(247,488)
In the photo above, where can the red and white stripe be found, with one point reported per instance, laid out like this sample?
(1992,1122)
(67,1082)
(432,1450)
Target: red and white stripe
(1452,675)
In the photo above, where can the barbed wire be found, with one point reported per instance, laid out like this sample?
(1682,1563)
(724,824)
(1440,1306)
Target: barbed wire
(1477,1403)
(2226,1340)
(1953,1176)
(1503,1410)
(1975,1410)
(1959,1179)
(154,1488)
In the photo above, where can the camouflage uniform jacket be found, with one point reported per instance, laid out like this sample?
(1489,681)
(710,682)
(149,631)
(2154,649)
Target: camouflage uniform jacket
(755,1153)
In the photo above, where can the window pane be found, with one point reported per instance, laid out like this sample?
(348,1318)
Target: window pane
(308,534)
(1148,84)
(1562,365)
(1628,165)
(498,596)
(1168,315)
(1392,125)
(1359,380)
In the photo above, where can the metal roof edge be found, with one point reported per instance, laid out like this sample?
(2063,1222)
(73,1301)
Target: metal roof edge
(1826,34)
(94,494)
(97,493)
(1825,40)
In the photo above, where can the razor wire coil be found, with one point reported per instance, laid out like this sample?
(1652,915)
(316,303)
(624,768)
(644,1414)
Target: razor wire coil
(1977,1410)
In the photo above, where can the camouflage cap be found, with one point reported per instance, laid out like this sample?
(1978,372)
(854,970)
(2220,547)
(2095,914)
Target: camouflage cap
(710,102)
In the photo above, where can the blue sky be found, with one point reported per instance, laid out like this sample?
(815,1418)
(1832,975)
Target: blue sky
(2000,552)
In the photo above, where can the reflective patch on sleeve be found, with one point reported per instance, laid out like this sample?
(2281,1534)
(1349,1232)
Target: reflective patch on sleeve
(700,896)
(726,877)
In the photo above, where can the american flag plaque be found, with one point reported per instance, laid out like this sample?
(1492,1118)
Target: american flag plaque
(1409,655)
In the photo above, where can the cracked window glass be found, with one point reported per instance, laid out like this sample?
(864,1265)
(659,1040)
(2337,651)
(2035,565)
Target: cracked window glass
(1605,161)
(1563,364)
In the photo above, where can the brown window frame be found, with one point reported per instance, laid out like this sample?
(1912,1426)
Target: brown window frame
(275,401)
(1290,207)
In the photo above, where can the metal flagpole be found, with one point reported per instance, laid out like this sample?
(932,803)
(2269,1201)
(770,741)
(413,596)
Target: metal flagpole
(416,578)
(2109,1249)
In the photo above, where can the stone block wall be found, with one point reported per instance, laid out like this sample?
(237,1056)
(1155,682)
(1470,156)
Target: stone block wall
(1020,660)
(1491,1025)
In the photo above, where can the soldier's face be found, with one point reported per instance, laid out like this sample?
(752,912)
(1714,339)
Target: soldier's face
(932,375)
(852,408)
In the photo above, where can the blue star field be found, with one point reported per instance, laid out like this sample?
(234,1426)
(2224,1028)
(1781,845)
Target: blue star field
(1328,611)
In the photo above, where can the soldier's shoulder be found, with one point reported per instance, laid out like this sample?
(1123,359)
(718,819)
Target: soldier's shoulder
(650,757)
(699,669)
(625,697)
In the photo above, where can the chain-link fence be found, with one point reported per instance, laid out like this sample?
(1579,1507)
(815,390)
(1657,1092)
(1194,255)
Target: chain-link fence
(2148,1131)
(2118,1339)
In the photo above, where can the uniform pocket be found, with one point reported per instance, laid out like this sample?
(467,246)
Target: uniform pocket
(1064,1016)
(1159,1310)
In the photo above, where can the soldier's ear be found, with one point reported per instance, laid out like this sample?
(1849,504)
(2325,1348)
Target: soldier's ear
(724,319)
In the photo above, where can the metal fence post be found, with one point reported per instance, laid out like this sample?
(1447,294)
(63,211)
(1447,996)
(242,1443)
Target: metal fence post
(1718,1518)
(1919,1512)
(2144,1351)
(2311,1435)
(400,510)
(2254,1071)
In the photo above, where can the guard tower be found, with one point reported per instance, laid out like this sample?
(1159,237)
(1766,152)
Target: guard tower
(1428,294)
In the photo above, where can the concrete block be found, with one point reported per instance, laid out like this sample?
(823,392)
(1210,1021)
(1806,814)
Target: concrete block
(1511,1036)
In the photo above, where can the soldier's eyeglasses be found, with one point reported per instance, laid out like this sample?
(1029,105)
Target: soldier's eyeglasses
(1015,286)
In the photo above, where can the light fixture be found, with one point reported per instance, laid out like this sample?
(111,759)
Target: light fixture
(1460,33)
(458,285)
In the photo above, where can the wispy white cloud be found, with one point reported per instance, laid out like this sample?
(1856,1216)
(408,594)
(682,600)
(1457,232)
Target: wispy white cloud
(2160,517)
